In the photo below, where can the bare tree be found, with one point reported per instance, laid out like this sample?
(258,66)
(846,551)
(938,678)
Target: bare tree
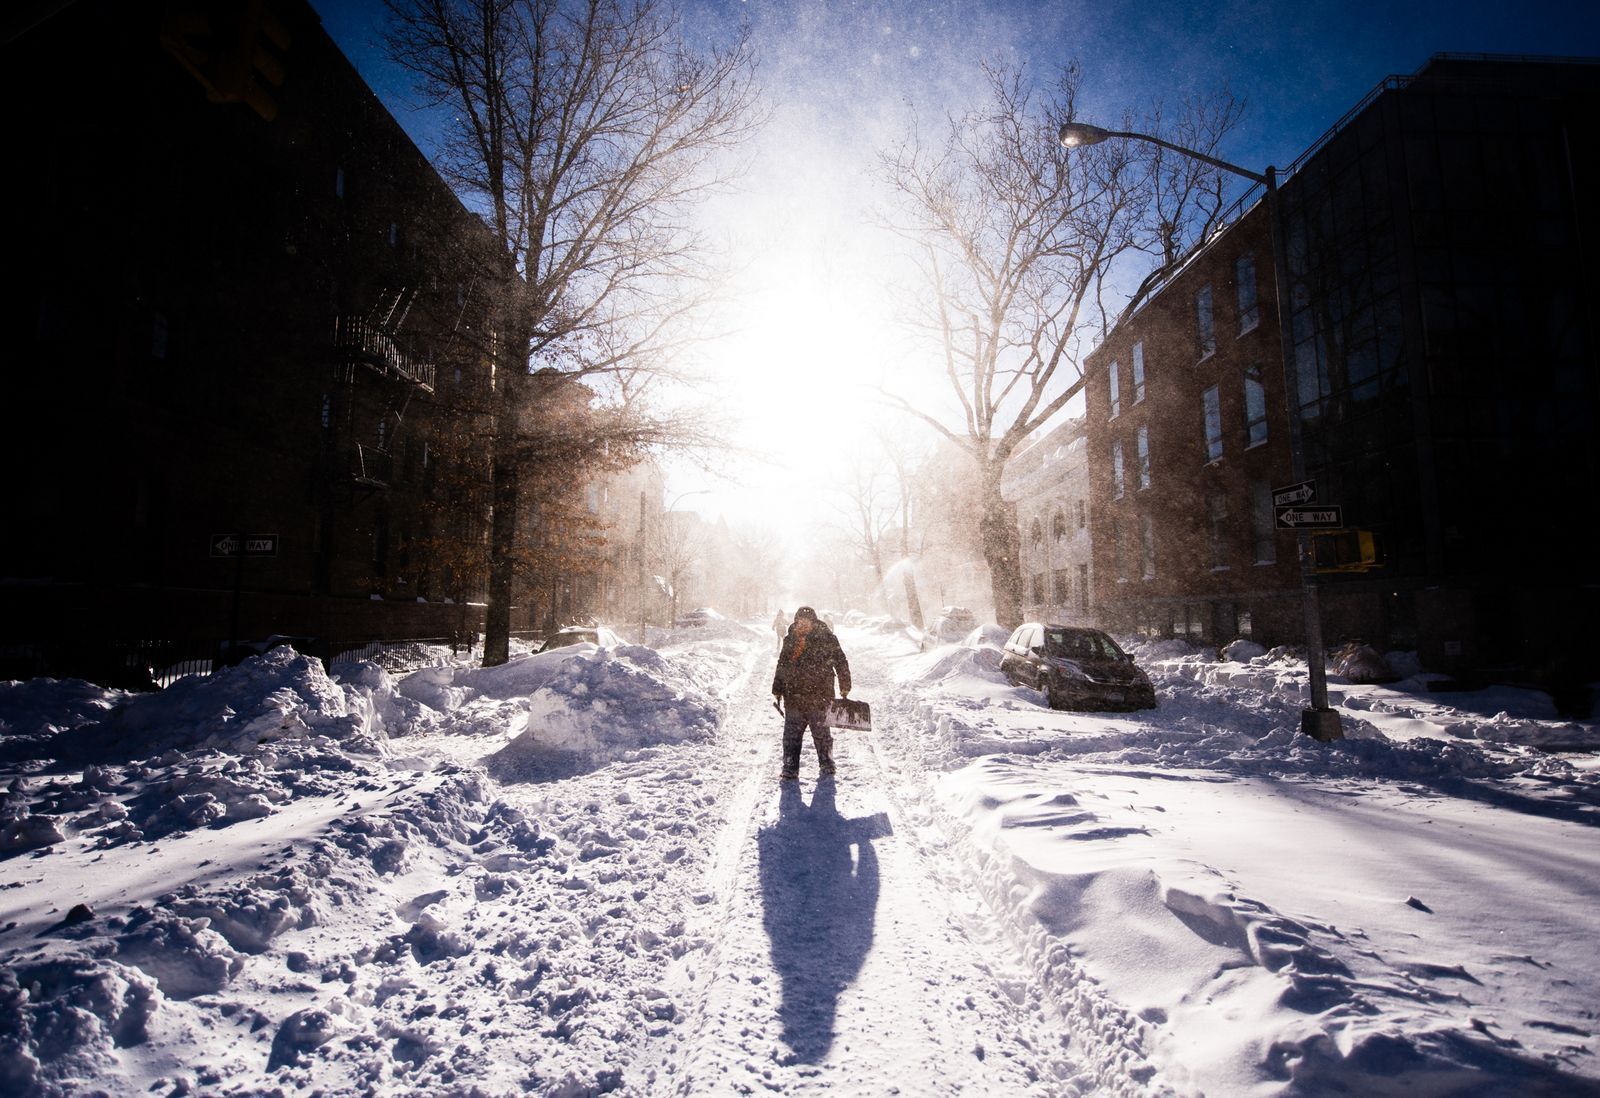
(1017,239)
(679,552)
(875,508)
(585,131)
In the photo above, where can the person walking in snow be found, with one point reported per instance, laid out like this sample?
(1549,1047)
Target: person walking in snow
(780,625)
(808,663)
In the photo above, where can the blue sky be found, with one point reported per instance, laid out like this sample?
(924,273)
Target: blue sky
(1299,66)
(815,319)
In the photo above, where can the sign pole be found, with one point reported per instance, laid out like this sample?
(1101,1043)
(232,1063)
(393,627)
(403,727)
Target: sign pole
(238,587)
(1318,721)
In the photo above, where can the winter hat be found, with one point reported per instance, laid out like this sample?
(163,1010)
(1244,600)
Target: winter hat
(805,612)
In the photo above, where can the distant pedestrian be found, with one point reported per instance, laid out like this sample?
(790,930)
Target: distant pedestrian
(808,663)
(780,625)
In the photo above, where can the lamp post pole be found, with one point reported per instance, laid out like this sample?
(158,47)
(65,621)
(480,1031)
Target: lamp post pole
(1319,721)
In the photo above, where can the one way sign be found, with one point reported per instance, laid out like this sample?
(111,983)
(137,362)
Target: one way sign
(1290,494)
(254,545)
(1327,517)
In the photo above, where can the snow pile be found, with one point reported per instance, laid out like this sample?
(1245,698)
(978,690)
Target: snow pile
(991,635)
(1204,892)
(275,696)
(61,1020)
(602,704)
(89,985)
(577,700)
(35,711)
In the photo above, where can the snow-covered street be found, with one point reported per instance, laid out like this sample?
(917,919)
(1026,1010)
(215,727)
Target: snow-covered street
(577,874)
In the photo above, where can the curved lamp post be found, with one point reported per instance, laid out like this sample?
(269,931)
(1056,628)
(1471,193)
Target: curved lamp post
(1319,721)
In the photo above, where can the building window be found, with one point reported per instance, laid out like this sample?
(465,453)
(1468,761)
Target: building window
(327,411)
(1246,625)
(1058,526)
(383,433)
(1036,588)
(1117,568)
(338,182)
(1036,534)
(1205,328)
(1147,547)
(1217,528)
(1144,456)
(1083,588)
(1138,372)
(1255,407)
(1083,514)
(1063,582)
(1263,524)
(394,235)
(1186,621)
(1212,403)
(1116,470)
(1113,394)
(1244,274)
(158,337)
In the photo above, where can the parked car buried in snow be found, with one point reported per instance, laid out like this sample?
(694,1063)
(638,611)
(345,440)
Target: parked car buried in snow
(703,615)
(580,634)
(1076,668)
(950,627)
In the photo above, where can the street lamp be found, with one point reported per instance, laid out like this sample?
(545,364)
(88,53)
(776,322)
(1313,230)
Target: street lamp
(1319,721)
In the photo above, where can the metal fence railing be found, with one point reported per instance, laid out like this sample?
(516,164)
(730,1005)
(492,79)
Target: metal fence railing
(156,663)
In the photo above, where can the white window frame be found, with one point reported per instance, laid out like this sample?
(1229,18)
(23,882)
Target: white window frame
(1244,275)
(1211,413)
(1205,321)
(1256,428)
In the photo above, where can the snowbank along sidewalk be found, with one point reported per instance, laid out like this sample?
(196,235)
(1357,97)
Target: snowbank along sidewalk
(1412,908)
(576,874)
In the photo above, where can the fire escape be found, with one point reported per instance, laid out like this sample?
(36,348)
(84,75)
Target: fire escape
(368,347)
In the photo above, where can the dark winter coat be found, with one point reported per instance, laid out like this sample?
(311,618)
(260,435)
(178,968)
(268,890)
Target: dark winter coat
(807,682)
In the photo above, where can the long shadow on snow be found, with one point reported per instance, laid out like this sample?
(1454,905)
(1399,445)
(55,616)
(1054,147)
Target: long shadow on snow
(820,904)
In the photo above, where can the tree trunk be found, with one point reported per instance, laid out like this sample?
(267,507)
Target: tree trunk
(997,529)
(502,543)
(913,603)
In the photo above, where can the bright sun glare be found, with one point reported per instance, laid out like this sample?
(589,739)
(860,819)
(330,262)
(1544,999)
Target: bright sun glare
(812,332)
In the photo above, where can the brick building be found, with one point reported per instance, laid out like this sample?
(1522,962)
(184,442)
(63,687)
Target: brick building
(1186,438)
(1048,481)
(1446,381)
(237,306)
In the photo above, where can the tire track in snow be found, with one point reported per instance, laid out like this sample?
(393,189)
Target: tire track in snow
(841,961)
(1107,1041)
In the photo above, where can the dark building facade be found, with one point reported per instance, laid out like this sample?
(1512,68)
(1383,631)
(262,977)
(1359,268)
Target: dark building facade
(1441,246)
(238,305)
(1187,437)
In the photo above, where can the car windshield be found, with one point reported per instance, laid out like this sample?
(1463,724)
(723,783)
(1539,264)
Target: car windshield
(1081,644)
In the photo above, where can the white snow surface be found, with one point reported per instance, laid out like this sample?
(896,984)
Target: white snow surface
(576,874)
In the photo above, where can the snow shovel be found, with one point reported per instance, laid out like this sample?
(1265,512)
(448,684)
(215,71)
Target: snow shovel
(844,713)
